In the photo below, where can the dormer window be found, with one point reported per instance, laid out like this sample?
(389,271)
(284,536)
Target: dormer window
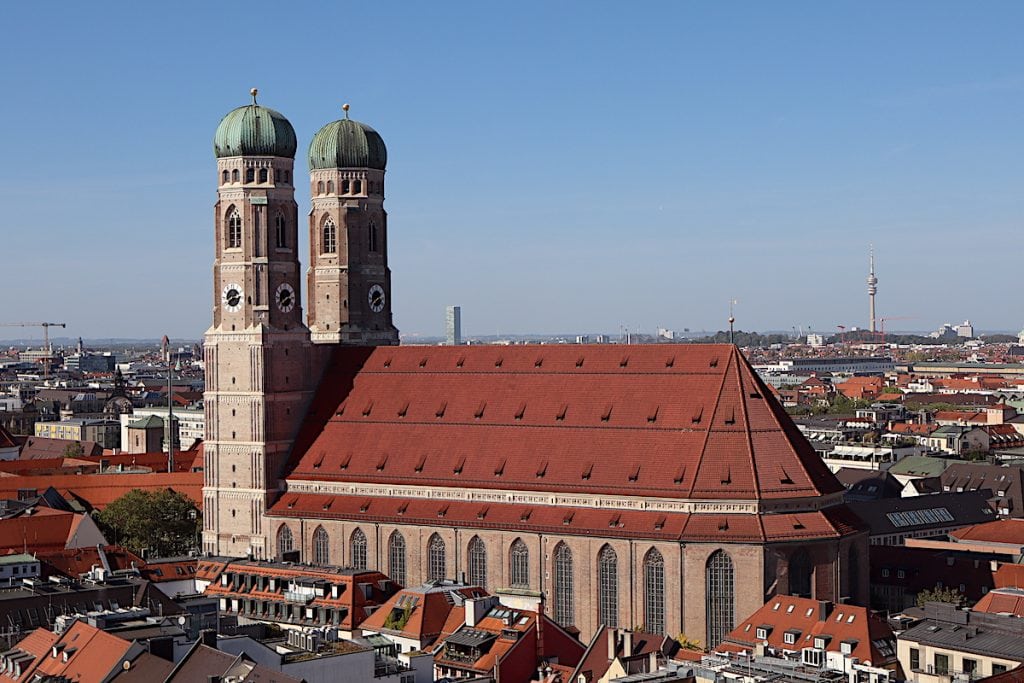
(763,632)
(790,636)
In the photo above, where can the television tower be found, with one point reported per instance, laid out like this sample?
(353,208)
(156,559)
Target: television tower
(872,288)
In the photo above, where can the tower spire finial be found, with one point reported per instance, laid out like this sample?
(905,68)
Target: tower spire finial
(254,92)
(732,319)
(344,108)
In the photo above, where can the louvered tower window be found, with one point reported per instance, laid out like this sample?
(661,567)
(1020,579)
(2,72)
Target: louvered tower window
(720,598)
(281,239)
(654,592)
(608,587)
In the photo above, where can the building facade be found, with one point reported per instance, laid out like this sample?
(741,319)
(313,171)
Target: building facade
(657,485)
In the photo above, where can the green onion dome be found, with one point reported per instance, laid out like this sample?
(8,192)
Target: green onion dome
(254,130)
(347,144)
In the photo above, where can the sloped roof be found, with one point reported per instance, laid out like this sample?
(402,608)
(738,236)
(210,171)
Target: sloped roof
(1002,601)
(7,439)
(682,421)
(1009,531)
(91,654)
(874,640)
(429,606)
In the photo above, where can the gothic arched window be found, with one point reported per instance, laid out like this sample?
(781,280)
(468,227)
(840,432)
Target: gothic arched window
(344,187)
(279,232)
(234,236)
(519,564)
(320,187)
(654,592)
(800,573)
(477,562)
(396,558)
(330,187)
(436,561)
(321,546)
(371,238)
(564,613)
(285,541)
(264,176)
(720,597)
(234,176)
(357,186)
(608,587)
(224,177)
(250,175)
(357,556)
(329,244)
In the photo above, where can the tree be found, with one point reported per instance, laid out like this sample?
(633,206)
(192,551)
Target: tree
(164,522)
(74,450)
(937,594)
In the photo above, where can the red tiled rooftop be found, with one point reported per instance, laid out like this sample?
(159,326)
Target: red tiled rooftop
(1009,531)
(681,421)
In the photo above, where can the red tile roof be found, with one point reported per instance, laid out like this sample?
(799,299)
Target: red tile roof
(99,490)
(429,609)
(91,654)
(681,421)
(812,618)
(1010,531)
(1002,601)
(1010,576)
(45,529)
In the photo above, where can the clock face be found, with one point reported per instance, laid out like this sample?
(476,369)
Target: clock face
(232,297)
(285,297)
(376,298)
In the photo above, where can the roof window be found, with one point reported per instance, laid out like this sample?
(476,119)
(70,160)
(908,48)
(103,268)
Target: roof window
(366,505)
(542,469)
(423,362)
(479,413)
(624,362)
(652,415)
(343,465)
(420,463)
(368,409)
(538,363)
(520,411)
(636,474)
(607,414)
(579,362)
(695,419)
(382,462)
(500,469)
(440,410)
(670,361)
(404,410)
(460,362)
(586,471)
(562,411)
(459,465)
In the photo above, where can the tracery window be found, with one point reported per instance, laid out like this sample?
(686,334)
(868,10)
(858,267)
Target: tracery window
(321,546)
(519,564)
(564,598)
(654,592)
(285,541)
(477,562)
(330,237)
(396,558)
(608,587)
(800,573)
(720,597)
(357,556)
(234,235)
(436,560)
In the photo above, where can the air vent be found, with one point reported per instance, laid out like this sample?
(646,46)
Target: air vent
(567,520)
(402,508)
(319,462)
(366,505)
(695,419)
(460,362)
(543,469)
(785,478)
(498,362)
(797,524)
(443,511)
(714,362)
(538,363)
(723,524)
(659,523)
(586,472)
(292,502)
(525,517)
(500,469)
(607,414)
(615,521)
(459,465)
(479,413)
(562,411)
(404,410)
(624,362)
(579,362)
(727,476)
(420,463)
(387,362)
(670,361)
(328,504)
(731,420)
(636,474)
(520,411)
(482,514)
(345,462)
(423,362)
(368,409)
(678,479)
(382,462)
(652,415)
(440,410)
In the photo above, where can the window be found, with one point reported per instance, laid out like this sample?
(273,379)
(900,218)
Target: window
(998,669)
(371,237)
(344,187)
(654,591)
(608,587)
(330,187)
(250,175)
(396,558)
(564,612)
(357,186)
(224,177)
(320,187)
(789,637)
(279,232)
(321,546)
(800,573)
(853,572)
(436,567)
(477,555)
(234,176)
(284,541)
(357,557)
(941,664)
(234,236)
(885,572)
(329,244)
(720,597)
(519,564)
(970,666)
(264,176)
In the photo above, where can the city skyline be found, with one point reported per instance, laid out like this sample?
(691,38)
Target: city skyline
(644,195)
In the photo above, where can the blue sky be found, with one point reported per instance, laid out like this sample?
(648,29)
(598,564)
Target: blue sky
(553,167)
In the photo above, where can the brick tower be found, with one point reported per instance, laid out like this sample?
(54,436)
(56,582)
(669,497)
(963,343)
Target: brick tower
(349,283)
(259,362)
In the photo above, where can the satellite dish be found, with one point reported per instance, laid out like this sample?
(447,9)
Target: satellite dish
(181,621)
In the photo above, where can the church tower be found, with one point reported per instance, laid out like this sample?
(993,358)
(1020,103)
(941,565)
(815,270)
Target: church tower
(349,283)
(259,361)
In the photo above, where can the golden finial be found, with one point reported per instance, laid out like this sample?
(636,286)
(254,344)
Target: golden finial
(344,108)
(254,92)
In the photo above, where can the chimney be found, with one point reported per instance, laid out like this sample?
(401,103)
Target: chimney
(477,608)
(627,643)
(209,638)
(162,647)
(824,609)
(612,638)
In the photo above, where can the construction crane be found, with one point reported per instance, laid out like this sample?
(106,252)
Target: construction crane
(895,317)
(46,341)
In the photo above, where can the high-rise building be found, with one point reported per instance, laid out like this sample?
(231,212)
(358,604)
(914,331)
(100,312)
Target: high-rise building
(453,325)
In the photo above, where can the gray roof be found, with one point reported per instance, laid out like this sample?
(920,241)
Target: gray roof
(982,637)
(936,511)
(920,466)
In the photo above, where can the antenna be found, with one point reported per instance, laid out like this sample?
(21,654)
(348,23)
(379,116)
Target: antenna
(732,320)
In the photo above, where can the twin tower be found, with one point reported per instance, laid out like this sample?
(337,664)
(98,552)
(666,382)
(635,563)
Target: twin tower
(263,360)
